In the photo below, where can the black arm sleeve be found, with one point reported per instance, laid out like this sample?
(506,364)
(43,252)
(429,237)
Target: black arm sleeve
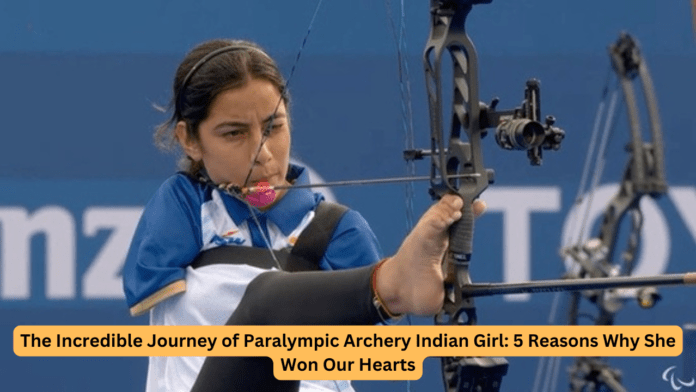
(281,298)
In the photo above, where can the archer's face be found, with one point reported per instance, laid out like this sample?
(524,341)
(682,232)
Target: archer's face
(230,136)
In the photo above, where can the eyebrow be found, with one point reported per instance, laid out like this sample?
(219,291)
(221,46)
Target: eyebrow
(268,119)
(277,115)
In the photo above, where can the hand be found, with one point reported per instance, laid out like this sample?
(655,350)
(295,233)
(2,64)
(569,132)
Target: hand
(412,281)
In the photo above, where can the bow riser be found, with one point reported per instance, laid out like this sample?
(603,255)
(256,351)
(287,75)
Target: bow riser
(459,157)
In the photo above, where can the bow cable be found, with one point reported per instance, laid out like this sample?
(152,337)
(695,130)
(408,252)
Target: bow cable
(406,116)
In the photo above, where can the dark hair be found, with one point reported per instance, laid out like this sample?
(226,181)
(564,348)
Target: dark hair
(202,75)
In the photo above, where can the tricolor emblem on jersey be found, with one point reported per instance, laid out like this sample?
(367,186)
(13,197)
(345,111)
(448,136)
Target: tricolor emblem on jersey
(222,241)
(228,238)
(218,229)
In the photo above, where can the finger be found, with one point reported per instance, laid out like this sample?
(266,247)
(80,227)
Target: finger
(453,200)
(453,205)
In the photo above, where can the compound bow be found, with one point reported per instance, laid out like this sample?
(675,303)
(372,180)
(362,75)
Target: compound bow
(644,175)
(516,129)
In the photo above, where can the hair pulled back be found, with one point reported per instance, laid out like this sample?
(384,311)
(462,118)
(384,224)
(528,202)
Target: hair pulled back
(227,70)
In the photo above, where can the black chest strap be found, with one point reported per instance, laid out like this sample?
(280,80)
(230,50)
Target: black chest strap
(305,255)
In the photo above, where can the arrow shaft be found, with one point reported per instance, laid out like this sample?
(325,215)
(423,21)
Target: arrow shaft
(353,182)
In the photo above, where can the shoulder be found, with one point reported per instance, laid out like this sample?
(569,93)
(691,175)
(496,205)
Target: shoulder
(165,241)
(179,190)
(182,184)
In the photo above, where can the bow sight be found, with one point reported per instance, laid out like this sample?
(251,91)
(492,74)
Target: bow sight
(520,129)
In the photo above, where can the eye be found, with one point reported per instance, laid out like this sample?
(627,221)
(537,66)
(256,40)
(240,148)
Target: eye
(276,126)
(234,133)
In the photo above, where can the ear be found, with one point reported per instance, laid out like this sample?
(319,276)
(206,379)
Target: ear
(190,146)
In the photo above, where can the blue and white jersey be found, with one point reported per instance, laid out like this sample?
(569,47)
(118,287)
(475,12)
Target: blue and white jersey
(185,217)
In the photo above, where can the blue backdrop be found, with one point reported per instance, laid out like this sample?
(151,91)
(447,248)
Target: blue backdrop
(79,79)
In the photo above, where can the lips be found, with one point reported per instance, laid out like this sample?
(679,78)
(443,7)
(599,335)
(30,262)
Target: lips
(262,196)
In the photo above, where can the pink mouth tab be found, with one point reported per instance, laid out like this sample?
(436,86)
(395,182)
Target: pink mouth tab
(262,196)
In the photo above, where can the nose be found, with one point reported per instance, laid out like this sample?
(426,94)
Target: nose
(264,153)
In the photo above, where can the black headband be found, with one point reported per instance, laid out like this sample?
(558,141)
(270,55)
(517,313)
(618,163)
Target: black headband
(205,59)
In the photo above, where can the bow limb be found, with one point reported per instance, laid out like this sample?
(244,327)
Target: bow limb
(648,164)
(645,173)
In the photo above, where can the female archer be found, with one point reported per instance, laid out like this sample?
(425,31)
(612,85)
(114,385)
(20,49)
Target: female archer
(207,253)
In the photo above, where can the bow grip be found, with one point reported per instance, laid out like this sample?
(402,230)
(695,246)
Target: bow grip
(462,233)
